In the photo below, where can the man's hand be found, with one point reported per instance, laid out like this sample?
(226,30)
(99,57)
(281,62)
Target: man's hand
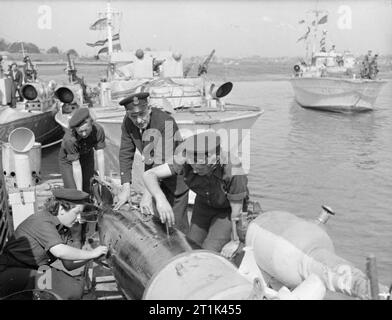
(165,211)
(99,251)
(146,205)
(230,248)
(123,198)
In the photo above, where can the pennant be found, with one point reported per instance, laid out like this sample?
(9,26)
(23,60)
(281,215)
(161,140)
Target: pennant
(116,47)
(305,36)
(98,43)
(323,20)
(99,24)
(102,42)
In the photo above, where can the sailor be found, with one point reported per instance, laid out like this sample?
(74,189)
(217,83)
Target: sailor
(76,156)
(17,78)
(221,192)
(373,67)
(143,123)
(41,239)
(29,70)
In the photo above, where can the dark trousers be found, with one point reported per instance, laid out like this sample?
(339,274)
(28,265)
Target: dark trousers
(179,204)
(87,165)
(210,227)
(14,88)
(14,279)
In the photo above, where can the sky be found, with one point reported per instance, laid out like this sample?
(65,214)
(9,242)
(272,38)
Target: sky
(233,28)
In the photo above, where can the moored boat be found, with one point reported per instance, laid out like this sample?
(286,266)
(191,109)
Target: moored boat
(36,113)
(329,81)
(194,102)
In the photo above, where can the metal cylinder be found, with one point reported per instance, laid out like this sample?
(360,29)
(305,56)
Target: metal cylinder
(290,249)
(198,275)
(139,247)
(21,141)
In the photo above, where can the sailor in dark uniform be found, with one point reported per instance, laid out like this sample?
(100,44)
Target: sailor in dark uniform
(221,191)
(76,156)
(40,240)
(155,134)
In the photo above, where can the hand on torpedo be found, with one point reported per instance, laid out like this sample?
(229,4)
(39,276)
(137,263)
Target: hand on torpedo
(165,211)
(146,204)
(99,251)
(230,248)
(123,197)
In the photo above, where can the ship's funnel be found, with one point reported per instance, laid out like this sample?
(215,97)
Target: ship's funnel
(70,94)
(221,91)
(21,141)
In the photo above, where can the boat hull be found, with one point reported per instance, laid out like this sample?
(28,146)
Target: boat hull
(189,123)
(46,130)
(336,94)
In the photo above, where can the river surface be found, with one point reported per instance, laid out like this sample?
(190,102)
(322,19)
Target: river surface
(302,159)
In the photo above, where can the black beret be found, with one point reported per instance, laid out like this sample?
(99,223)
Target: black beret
(204,143)
(78,117)
(71,195)
(136,102)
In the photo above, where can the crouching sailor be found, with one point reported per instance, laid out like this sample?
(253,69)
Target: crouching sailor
(40,240)
(76,157)
(220,187)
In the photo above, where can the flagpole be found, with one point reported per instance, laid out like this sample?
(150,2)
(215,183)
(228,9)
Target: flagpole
(109,27)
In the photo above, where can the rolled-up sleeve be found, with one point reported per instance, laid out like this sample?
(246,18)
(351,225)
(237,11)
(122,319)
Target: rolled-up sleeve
(236,182)
(127,154)
(71,150)
(47,235)
(100,138)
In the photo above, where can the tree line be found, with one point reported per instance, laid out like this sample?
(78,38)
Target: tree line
(28,47)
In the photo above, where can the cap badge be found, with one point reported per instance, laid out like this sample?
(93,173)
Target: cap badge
(135,100)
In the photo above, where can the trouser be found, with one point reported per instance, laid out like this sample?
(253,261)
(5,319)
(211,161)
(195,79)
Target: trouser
(179,203)
(87,165)
(14,88)
(15,279)
(210,227)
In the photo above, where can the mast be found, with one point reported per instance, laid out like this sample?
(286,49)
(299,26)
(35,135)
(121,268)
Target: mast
(109,28)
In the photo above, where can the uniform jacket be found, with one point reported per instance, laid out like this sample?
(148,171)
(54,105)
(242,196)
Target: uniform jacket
(18,78)
(158,137)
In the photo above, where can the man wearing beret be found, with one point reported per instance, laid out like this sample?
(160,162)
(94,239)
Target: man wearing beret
(141,123)
(40,240)
(221,191)
(76,156)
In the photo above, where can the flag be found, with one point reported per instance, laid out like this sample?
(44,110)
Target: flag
(102,42)
(323,20)
(305,36)
(302,21)
(116,47)
(98,43)
(99,24)
(322,41)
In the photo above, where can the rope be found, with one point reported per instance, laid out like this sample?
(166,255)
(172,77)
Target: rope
(51,144)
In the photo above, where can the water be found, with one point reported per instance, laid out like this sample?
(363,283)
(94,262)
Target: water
(302,159)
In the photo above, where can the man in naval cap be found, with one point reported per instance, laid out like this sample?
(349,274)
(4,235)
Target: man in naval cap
(221,191)
(143,123)
(76,156)
(41,239)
